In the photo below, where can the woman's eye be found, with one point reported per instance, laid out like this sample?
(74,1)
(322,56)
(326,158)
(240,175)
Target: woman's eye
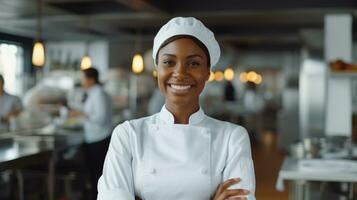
(168,62)
(194,64)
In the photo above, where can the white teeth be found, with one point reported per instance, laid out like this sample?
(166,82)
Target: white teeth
(180,87)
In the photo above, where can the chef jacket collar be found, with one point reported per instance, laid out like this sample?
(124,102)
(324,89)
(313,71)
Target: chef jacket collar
(167,117)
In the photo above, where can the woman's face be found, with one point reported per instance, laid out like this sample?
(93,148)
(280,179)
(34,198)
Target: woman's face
(182,71)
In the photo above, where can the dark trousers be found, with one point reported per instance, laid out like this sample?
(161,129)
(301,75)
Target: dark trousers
(95,155)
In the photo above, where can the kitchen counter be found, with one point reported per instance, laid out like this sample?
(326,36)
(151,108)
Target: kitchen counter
(25,148)
(22,148)
(300,178)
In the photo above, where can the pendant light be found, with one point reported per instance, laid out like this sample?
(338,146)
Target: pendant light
(228,74)
(86,61)
(218,76)
(137,66)
(38,53)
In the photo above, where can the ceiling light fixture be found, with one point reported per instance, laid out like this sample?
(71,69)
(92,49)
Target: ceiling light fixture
(229,74)
(38,53)
(137,65)
(86,61)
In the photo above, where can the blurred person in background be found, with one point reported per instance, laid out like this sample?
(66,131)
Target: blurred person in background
(254,104)
(10,107)
(179,153)
(229,91)
(97,116)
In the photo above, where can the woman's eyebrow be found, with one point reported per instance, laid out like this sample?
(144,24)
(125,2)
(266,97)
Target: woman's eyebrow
(167,54)
(194,55)
(190,56)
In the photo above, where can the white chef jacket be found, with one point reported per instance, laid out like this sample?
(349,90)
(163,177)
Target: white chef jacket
(155,159)
(8,103)
(98,111)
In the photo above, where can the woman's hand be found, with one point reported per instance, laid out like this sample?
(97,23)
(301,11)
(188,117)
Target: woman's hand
(224,193)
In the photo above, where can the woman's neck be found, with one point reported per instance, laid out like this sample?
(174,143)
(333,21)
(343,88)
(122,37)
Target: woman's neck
(182,113)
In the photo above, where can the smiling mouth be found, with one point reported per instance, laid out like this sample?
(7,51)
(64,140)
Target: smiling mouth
(180,87)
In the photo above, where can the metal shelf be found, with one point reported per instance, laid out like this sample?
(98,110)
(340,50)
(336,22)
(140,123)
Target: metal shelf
(351,75)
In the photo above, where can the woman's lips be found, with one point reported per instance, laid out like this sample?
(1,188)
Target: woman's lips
(180,88)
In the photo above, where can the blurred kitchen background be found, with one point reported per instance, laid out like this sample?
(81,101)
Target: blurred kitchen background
(288,73)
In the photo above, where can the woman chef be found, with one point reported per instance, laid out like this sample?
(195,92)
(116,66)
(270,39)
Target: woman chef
(179,153)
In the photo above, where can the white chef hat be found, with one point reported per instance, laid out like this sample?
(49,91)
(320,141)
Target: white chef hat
(192,27)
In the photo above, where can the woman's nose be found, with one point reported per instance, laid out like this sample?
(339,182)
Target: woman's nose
(180,68)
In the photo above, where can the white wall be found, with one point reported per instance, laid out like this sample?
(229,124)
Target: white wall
(72,51)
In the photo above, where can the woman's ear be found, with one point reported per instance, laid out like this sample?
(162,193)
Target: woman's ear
(208,74)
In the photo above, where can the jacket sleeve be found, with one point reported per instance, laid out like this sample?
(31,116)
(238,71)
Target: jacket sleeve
(116,181)
(239,162)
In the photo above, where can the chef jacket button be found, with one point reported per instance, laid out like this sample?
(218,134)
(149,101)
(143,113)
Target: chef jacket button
(204,171)
(152,171)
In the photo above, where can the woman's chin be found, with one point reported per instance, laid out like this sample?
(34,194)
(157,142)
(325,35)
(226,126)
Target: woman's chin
(179,101)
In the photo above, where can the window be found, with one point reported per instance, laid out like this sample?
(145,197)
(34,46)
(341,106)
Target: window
(12,67)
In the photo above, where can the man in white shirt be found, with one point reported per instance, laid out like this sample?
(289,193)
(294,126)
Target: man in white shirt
(97,114)
(10,106)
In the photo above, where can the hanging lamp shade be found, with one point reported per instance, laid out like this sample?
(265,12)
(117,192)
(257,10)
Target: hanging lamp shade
(86,62)
(218,76)
(138,64)
(38,54)
(243,77)
(228,74)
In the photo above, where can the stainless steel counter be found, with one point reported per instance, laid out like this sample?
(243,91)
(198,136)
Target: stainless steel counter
(300,178)
(24,148)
